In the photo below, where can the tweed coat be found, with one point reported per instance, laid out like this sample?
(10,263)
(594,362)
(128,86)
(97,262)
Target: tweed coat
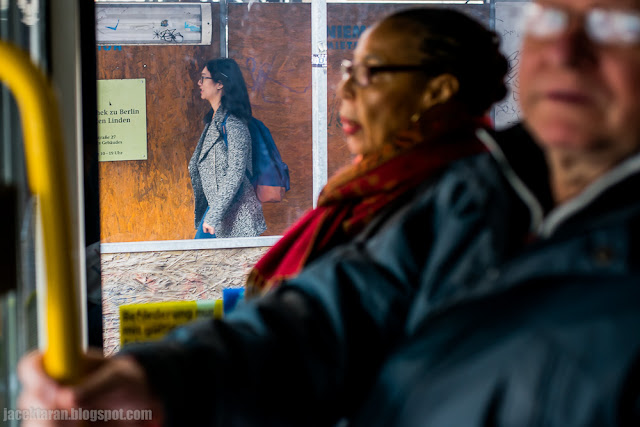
(219,179)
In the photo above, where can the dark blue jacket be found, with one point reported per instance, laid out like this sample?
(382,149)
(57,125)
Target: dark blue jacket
(477,304)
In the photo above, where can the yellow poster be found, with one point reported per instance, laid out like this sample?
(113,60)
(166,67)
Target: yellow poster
(122,120)
(153,320)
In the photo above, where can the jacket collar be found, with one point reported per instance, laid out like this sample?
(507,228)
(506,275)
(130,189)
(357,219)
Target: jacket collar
(524,166)
(216,122)
(219,116)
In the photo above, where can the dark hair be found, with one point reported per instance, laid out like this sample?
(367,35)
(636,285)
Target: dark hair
(235,98)
(454,43)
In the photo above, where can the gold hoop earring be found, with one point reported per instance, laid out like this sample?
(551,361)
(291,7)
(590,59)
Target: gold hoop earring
(415,117)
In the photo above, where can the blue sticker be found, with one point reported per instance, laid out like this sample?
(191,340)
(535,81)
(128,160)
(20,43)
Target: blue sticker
(192,27)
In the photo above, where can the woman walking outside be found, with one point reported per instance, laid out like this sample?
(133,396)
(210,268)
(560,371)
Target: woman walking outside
(225,200)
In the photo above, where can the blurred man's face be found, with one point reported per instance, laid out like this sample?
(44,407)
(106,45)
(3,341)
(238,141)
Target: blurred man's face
(579,84)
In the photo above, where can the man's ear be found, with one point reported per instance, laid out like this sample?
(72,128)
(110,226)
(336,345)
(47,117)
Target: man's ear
(219,85)
(439,90)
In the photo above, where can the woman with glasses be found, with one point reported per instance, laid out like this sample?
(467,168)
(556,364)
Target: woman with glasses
(226,204)
(418,87)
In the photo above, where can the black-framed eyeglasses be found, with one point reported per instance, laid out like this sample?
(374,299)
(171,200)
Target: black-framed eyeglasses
(361,73)
(203,78)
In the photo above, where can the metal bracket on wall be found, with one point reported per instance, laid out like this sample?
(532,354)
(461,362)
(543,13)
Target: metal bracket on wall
(224,29)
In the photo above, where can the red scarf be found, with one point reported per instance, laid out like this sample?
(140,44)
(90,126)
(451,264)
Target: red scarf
(354,196)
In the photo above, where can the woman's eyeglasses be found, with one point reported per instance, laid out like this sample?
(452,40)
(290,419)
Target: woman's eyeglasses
(202,79)
(361,73)
(602,26)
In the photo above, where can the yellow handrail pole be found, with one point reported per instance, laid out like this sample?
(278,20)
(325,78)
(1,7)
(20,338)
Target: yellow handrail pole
(46,173)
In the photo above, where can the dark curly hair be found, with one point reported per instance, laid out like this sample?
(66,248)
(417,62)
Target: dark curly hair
(452,42)
(236,97)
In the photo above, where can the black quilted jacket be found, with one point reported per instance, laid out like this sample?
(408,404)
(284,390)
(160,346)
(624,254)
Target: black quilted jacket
(478,305)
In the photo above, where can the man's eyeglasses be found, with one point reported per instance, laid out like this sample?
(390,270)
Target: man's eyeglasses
(602,26)
(362,74)
(202,79)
